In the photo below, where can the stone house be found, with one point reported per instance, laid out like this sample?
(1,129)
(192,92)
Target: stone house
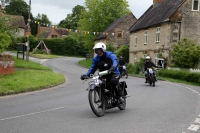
(16,23)
(118,32)
(48,32)
(163,24)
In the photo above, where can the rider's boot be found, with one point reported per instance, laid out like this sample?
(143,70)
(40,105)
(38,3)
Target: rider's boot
(120,94)
(145,80)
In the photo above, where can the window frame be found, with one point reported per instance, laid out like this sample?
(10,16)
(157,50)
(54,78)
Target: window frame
(119,34)
(157,34)
(193,2)
(145,37)
(135,39)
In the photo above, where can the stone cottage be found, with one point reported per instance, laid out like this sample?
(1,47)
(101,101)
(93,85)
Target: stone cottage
(48,32)
(16,22)
(117,33)
(163,24)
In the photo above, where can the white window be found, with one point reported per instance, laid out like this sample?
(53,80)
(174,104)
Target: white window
(145,37)
(135,58)
(135,39)
(158,34)
(195,5)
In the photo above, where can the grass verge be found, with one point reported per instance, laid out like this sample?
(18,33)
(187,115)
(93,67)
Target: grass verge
(28,76)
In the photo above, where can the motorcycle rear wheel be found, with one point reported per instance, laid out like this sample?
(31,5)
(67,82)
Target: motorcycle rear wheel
(97,103)
(122,106)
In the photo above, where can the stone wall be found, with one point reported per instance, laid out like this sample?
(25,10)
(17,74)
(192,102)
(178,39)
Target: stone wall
(151,48)
(6,65)
(190,26)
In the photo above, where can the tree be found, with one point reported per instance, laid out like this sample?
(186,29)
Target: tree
(71,20)
(185,54)
(124,52)
(5,39)
(99,15)
(17,7)
(110,47)
(42,18)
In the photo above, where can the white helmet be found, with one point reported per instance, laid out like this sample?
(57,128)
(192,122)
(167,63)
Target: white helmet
(148,57)
(100,45)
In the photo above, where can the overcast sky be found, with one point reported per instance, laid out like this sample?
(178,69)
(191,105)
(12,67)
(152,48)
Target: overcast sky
(57,10)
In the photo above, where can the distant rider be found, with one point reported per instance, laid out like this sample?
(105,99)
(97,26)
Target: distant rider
(148,64)
(121,64)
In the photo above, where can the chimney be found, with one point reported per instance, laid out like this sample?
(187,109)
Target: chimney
(156,1)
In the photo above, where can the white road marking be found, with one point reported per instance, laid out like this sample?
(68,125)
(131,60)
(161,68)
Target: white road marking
(197,120)
(33,113)
(194,127)
(43,60)
(39,112)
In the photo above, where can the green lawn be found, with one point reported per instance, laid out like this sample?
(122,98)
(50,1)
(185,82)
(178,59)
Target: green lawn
(28,76)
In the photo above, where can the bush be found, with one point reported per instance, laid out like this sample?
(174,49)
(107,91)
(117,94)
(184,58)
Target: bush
(124,52)
(137,68)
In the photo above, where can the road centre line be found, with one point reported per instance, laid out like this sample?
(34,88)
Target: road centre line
(14,117)
(39,112)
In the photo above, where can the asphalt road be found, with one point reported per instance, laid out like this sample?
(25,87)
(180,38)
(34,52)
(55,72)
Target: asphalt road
(166,108)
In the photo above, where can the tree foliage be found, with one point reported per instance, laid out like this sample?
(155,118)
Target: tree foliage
(185,54)
(99,15)
(124,52)
(42,18)
(71,20)
(5,39)
(110,47)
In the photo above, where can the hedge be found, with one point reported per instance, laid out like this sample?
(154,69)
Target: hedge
(193,77)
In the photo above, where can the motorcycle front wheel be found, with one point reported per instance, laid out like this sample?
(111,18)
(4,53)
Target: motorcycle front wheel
(97,102)
(126,74)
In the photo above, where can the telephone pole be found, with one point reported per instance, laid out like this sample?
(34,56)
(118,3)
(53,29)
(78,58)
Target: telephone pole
(29,32)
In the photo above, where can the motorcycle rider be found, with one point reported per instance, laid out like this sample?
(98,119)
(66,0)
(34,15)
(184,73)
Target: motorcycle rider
(148,64)
(121,64)
(105,60)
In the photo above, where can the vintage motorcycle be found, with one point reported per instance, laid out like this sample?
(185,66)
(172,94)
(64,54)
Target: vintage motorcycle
(123,71)
(151,77)
(102,96)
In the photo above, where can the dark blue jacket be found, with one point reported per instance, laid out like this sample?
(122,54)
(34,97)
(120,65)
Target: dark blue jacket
(108,61)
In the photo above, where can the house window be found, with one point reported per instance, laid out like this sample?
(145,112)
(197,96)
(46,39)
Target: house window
(145,37)
(119,35)
(135,58)
(158,34)
(195,5)
(54,36)
(135,39)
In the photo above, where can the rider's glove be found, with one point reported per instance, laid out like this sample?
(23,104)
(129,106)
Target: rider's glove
(111,70)
(83,77)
